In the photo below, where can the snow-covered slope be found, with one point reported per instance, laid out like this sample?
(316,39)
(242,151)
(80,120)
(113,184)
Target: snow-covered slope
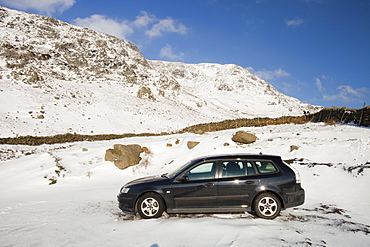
(81,209)
(59,78)
(230,90)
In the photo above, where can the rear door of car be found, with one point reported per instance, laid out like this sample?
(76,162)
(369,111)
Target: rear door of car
(236,185)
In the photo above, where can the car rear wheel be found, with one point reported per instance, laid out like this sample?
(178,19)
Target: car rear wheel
(267,206)
(150,205)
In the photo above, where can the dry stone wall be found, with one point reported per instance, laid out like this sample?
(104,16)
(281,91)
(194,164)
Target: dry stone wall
(360,117)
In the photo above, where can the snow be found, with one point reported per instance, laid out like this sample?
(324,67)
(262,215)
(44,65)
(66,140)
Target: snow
(80,209)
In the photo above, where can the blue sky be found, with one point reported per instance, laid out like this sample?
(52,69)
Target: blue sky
(315,50)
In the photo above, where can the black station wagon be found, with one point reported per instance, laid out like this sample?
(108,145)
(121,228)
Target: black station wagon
(262,184)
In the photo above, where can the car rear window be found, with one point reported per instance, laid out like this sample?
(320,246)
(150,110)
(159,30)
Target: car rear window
(265,167)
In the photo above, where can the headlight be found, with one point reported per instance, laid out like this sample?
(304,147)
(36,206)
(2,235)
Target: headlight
(125,190)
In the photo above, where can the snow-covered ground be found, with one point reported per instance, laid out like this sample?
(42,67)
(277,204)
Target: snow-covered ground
(80,209)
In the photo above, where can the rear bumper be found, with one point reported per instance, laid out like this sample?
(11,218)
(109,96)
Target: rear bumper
(295,198)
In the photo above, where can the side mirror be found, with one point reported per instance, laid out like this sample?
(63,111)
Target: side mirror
(184,179)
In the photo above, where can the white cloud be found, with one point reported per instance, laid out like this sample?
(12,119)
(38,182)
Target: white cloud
(102,24)
(295,22)
(144,23)
(344,93)
(166,25)
(47,7)
(167,52)
(270,74)
(319,85)
(144,19)
(348,94)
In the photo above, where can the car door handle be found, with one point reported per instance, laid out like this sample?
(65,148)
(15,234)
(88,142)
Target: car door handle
(249,182)
(209,184)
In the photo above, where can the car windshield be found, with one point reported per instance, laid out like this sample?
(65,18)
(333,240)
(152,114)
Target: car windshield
(177,170)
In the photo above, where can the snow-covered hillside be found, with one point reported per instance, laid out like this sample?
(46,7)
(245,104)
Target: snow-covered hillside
(81,208)
(57,78)
(231,90)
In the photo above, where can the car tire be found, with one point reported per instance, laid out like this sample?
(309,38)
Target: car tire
(150,205)
(267,206)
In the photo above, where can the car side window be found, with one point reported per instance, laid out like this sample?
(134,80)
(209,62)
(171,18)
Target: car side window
(233,168)
(202,171)
(250,169)
(265,167)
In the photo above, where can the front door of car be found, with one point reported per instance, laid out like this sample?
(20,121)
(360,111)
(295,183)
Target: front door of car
(236,185)
(195,190)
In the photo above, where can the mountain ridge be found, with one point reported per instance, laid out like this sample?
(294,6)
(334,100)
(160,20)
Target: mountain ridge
(58,78)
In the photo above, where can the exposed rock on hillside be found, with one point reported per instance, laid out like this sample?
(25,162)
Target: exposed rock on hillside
(40,49)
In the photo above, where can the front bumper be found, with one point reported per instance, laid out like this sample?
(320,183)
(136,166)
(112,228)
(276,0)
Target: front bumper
(126,203)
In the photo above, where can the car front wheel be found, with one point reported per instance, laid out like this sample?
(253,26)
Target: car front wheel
(150,205)
(267,206)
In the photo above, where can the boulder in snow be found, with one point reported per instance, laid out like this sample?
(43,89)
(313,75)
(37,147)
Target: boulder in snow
(124,156)
(244,137)
(192,144)
(293,147)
